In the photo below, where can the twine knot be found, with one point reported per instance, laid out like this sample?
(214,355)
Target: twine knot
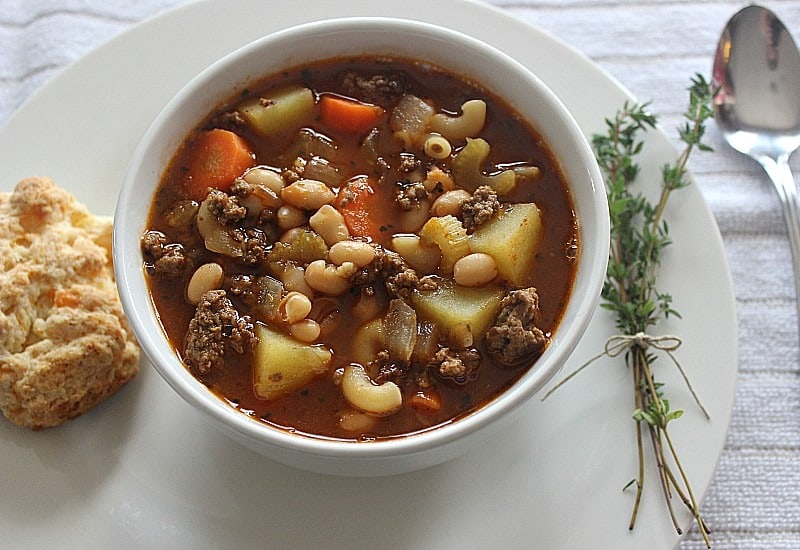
(620,343)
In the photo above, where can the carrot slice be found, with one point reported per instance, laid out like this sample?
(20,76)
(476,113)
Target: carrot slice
(426,400)
(365,208)
(216,159)
(347,114)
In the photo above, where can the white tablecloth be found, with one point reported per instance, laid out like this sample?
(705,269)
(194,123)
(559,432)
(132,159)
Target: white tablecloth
(651,48)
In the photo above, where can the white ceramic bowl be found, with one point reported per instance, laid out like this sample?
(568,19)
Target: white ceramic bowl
(295,46)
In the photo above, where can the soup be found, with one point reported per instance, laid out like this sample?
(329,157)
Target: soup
(361,249)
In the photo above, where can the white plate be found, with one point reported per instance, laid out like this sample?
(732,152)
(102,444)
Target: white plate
(142,470)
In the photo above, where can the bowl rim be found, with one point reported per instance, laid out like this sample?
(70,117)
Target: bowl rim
(146,325)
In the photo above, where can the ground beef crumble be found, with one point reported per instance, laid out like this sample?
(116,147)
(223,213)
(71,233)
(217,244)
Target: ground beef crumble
(153,243)
(398,277)
(163,259)
(216,329)
(458,365)
(409,163)
(409,195)
(255,245)
(230,120)
(515,338)
(248,288)
(381,89)
(241,189)
(225,207)
(385,369)
(479,208)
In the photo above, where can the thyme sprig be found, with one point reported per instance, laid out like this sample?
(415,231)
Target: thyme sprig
(639,236)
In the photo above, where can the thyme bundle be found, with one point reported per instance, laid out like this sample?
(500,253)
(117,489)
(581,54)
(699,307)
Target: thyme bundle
(639,235)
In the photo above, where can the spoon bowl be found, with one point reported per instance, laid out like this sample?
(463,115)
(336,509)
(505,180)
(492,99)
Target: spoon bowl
(757,108)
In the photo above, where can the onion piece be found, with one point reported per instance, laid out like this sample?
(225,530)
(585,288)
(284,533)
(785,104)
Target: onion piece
(427,344)
(318,168)
(409,120)
(400,329)
(217,237)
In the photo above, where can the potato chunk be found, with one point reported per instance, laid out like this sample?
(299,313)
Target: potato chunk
(512,239)
(451,305)
(283,365)
(283,111)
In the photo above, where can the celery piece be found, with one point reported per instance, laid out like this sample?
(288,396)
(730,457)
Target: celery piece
(449,235)
(467,168)
(304,249)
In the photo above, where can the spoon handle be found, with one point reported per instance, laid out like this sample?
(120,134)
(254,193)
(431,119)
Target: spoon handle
(781,175)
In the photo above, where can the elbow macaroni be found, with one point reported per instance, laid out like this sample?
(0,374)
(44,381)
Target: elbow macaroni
(437,147)
(468,124)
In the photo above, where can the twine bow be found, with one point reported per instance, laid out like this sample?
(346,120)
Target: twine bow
(622,343)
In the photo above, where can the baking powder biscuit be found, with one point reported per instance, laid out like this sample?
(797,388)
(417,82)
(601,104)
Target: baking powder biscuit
(65,344)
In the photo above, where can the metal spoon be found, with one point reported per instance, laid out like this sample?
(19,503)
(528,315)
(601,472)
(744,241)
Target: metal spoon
(757,109)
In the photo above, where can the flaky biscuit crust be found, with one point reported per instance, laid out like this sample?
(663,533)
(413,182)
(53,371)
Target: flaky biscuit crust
(65,344)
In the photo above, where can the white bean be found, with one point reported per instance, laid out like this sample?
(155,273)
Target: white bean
(289,217)
(474,269)
(293,278)
(294,307)
(422,257)
(207,277)
(259,198)
(358,252)
(307,330)
(328,278)
(263,176)
(450,203)
(329,224)
(307,194)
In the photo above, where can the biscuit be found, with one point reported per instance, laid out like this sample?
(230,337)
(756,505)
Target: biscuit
(65,344)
